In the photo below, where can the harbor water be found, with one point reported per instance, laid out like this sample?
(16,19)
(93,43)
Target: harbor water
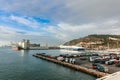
(21,65)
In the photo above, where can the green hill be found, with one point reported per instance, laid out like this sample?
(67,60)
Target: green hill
(96,40)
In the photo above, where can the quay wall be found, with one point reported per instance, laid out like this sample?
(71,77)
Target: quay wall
(73,66)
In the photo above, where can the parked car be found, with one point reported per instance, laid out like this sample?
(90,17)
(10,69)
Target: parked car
(110,62)
(118,65)
(102,68)
(94,66)
(99,61)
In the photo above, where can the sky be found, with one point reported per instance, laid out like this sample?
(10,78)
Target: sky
(57,21)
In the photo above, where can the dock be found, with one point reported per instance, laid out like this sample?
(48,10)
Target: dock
(73,66)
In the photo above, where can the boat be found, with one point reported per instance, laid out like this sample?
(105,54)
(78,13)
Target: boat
(15,47)
(72,48)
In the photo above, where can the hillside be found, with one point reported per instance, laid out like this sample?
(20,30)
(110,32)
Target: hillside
(97,41)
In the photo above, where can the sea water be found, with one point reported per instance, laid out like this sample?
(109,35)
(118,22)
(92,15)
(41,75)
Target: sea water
(21,65)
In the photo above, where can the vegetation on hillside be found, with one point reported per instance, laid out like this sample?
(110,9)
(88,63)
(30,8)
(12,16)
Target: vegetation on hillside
(98,40)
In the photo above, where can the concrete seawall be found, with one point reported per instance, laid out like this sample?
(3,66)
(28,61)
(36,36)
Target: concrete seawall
(73,66)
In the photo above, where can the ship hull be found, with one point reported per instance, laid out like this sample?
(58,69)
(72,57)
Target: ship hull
(16,48)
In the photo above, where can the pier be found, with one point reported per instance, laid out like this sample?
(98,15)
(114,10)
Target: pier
(73,66)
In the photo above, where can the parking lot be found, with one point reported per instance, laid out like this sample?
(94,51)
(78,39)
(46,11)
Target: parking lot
(85,63)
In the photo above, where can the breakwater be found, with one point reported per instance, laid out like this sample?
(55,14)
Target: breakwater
(73,66)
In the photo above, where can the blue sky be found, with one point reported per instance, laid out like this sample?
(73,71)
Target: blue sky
(57,21)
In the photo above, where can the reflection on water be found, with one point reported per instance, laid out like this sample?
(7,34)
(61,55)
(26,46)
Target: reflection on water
(24,52)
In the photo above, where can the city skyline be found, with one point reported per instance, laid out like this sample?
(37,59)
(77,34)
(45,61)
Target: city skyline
(57,21)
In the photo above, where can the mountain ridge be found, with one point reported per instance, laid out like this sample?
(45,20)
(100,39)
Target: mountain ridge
(96,41)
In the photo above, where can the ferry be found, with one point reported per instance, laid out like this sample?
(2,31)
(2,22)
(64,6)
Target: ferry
(72,48)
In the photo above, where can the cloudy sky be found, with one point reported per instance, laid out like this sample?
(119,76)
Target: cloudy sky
(57,21)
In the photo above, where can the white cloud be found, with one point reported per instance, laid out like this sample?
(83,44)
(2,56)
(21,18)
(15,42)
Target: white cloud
(9,34)
(68,11)
(67,32)
(28,22)
(73,18)
(6,32)
(60,33)
(5,42)
(111,22)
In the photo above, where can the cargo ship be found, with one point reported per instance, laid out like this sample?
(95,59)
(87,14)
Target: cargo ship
(15,47)
(24,44)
